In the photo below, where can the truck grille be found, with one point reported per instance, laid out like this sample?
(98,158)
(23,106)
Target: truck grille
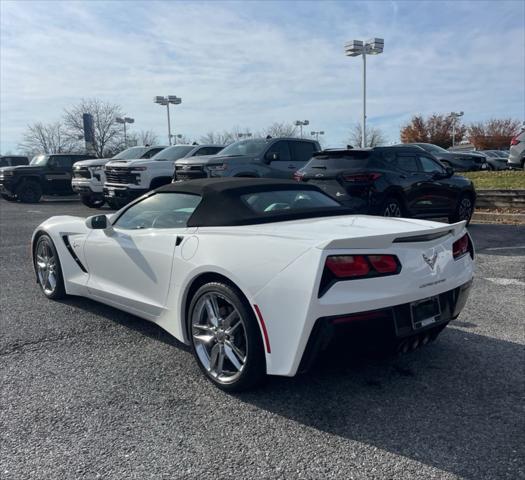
(189,172)
(121,175)
(81,172)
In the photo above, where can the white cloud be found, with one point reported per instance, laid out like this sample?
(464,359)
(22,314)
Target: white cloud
(251,64)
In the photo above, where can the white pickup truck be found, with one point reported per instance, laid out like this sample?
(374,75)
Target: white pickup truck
(88,175)
(128,179)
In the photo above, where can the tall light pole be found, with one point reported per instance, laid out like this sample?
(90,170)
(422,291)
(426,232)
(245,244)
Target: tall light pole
(374,46)
(301,124)
(173,99)
(125,120)
(316,134)
(455,116)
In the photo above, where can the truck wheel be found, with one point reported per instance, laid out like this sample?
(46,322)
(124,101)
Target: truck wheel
(92,201)
(29,191)
(9,198)
(464,209)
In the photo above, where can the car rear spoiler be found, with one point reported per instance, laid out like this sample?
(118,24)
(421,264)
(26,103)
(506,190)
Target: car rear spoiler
(385,240)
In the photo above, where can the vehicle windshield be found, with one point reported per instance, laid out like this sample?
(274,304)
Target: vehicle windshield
(244,147)
(289,200)
(131,153)
(432,148)
(173,153)
(39,160)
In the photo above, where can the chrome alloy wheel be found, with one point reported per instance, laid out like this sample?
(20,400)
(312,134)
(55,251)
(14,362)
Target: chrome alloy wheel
(465,209)
(392,209)
(46,265)
(219,337)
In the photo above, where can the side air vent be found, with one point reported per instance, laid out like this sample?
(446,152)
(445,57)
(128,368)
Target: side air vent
(73,254)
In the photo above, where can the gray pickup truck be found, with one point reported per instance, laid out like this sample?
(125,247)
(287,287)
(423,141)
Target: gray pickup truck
(258,157)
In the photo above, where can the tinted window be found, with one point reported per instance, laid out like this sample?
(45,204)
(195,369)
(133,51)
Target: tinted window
(162,210)
(289,200)
(281,148)
(245,147)
(407,162)
(173,153)
(151,152)
(302,151)
(60,162)
(357,159)
(207,151)
(429,166)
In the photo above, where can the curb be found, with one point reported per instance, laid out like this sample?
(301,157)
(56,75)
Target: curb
(489,217)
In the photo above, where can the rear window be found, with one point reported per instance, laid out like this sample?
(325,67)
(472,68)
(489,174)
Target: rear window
(340,161)
(289,200)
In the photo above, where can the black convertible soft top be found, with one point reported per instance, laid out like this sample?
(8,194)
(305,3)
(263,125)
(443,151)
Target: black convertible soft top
(221,203)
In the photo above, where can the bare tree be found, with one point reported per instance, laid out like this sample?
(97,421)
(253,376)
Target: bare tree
(374,136)
(144,137)
(227,136)
(280,130)
(493,134)
(108,135)
(436,129)
(47,138)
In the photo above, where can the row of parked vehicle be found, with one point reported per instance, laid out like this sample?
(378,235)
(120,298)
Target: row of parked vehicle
(414,180)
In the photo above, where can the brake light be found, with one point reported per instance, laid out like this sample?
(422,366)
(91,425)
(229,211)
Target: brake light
(460,247)
(514,140)
(384,263)
(361,177)
(348,266)
(298,176)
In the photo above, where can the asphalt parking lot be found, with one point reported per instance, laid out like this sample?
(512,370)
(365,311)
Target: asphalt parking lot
(89,392)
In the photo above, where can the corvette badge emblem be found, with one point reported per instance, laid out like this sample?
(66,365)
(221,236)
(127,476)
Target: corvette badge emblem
(430,261)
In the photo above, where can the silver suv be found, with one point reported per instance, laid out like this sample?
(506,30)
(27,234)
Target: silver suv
(517,151)
(259,157)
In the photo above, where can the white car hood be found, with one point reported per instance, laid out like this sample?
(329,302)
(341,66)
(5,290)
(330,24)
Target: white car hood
(92,163)
(130,163)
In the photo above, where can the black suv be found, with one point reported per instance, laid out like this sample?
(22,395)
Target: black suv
(391,181)
(13,160)
(45,175)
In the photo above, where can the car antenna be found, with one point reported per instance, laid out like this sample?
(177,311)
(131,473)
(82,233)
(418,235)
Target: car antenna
(349,147)
(268,137)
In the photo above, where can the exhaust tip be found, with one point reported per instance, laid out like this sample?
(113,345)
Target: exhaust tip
(414,343)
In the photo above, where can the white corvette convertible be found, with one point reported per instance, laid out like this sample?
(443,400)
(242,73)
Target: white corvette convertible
(257,275)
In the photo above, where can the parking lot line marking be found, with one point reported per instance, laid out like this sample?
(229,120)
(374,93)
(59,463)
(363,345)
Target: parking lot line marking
(505,281)
(504,248)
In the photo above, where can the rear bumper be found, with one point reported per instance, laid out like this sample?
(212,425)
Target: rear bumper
(387,324)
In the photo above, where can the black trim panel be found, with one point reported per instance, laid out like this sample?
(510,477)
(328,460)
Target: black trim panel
(65,238)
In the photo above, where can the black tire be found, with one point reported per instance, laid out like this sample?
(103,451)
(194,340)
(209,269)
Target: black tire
(30,191)
(391,208)
(464,209)
(253,370)
(58,291)
(9,198)
(92,201)
(114,204)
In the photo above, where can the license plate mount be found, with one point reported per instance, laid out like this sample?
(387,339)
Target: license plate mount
(425,312)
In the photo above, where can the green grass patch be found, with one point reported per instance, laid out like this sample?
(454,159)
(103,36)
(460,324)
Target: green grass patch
(502,180)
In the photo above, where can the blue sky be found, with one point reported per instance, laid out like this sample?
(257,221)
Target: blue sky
(249,64)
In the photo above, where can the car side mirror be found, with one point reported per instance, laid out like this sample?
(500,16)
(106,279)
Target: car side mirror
(449,171)
(97,222)
(271,157)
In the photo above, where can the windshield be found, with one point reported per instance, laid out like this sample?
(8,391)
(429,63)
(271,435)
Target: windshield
(244,147)
(39,160)
(131,153)
(173,153)
(432,148)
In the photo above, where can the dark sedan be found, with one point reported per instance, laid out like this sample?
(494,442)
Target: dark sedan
(391,181)
(459,161)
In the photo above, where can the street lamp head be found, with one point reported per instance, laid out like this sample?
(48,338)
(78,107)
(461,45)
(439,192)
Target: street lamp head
(160,100)
(321,133)
(354,48)
(129,120)
(174,99)
(375,46)
(119,120)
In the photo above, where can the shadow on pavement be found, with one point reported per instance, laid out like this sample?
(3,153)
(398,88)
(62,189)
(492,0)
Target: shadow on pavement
(492,239)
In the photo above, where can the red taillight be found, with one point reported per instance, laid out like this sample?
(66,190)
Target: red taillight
(348,266)
(354,266)
(460,247)
(383,263)
(298,176)
(514,140)
(361,177)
